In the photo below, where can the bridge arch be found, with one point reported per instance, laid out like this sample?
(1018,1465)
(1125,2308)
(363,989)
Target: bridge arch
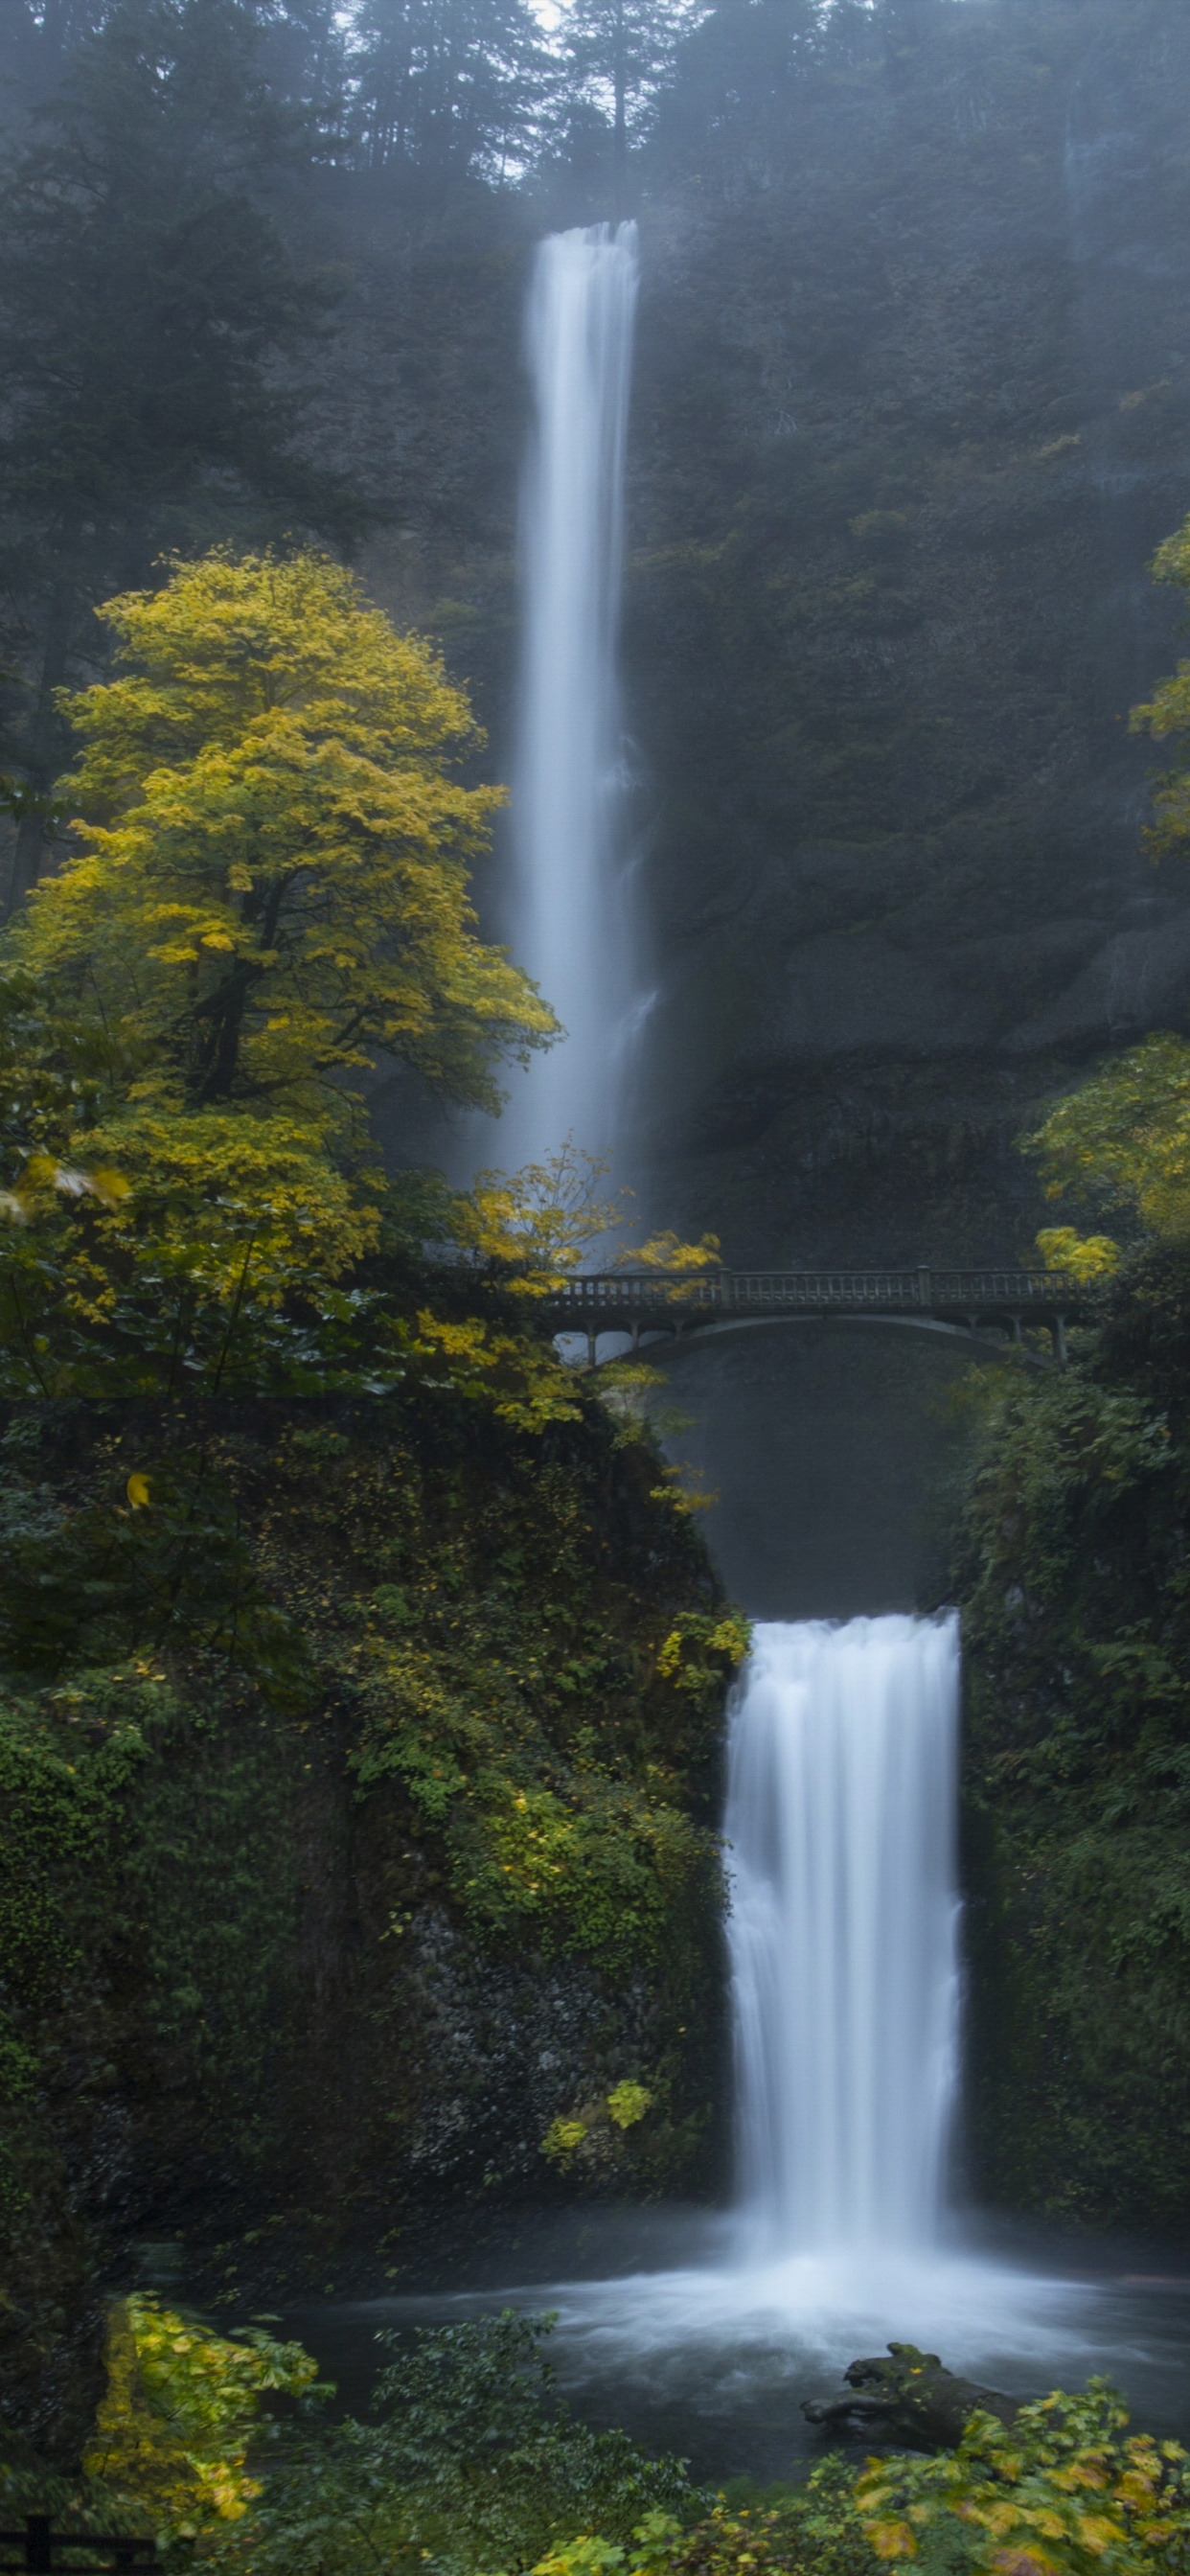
(648,1338)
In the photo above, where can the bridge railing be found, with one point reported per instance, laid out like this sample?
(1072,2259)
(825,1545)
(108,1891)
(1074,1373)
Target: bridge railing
(635,1293)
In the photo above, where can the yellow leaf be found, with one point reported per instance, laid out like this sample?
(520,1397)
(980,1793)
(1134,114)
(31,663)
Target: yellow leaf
(1097,2533)
(1022,2562)
(137,1490)
(892,2539)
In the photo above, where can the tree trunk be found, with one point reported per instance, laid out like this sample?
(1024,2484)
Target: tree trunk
(620,126)
(45,740)
(911,2399)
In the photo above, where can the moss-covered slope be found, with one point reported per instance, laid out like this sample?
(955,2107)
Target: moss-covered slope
(1076,1609)
(356,1830)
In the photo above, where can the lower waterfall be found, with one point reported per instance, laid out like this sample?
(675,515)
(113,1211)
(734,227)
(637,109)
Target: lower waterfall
(706,2329)
(841,1832)
(843,1938)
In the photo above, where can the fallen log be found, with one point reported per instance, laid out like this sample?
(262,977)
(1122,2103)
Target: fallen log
(911,2399)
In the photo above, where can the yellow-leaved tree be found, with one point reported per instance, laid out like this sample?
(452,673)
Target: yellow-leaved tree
(182,2408)
(271,894)
(534,1228)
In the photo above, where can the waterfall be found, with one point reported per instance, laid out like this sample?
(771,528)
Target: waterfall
(841,1826)
(569,926)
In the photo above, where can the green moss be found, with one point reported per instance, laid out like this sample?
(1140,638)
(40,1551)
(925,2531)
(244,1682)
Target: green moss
(629,2103)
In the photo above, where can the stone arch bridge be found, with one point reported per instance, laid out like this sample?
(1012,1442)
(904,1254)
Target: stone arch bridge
(994,1308)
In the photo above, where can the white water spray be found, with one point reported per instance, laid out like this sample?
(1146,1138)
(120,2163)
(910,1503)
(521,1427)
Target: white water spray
(570,928)
(841,1823)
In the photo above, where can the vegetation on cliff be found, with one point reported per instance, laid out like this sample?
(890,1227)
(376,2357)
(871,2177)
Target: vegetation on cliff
(359,1770)
(1072,1578)
(1121,1142)
(362,1670)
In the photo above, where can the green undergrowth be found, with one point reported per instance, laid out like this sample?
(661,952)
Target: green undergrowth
(221,2448)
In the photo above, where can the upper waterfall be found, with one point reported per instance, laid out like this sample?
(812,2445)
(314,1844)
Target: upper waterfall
(841,1828)
(570,927)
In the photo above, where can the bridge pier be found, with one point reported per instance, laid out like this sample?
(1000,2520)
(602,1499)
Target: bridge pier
(1058,1338)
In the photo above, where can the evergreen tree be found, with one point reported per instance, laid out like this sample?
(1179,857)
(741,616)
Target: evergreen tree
(446,88)
(616,54)
(302,54)
(36,42)
(154,326)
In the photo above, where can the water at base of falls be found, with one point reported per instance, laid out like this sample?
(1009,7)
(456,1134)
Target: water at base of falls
(841,1840)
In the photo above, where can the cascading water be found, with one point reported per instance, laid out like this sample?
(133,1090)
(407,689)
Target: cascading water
(840,1821)
(569,926)
(843,1932)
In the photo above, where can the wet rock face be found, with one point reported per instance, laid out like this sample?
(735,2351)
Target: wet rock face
(499,2047)
(913,409)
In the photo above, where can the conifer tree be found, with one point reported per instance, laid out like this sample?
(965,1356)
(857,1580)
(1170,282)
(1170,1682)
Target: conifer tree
(154,326)
(445,88)
(617,53)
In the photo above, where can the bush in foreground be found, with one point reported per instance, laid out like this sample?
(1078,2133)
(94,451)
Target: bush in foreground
(470,2466)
